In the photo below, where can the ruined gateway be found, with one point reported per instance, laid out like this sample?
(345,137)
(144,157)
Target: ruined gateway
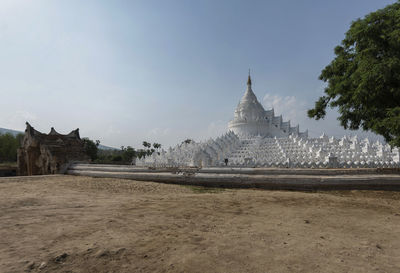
(49,153)
(258,138)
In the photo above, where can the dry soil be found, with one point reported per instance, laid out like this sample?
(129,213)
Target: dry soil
(81,224)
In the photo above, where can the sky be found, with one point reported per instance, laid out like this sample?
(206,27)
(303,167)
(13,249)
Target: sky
(164,71)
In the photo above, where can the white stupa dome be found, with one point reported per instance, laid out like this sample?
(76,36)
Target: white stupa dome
(251,119)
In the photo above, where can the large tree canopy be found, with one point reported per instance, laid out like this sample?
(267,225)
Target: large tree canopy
(363,80)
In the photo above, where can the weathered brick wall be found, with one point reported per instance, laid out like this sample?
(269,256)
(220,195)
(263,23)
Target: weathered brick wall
(49,153)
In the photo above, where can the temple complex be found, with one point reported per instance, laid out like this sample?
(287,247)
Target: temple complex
(258,138)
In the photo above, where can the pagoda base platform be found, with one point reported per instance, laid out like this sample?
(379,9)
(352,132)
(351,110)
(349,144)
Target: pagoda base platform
(261,178)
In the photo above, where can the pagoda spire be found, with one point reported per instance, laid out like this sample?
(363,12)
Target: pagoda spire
(249,79)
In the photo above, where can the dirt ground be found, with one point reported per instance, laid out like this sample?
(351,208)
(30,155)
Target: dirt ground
(81,224)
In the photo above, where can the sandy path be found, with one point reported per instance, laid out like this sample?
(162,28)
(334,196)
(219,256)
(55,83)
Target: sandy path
(80,224)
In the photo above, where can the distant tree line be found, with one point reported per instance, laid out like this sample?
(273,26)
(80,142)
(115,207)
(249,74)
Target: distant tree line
(8,147)
(123,156)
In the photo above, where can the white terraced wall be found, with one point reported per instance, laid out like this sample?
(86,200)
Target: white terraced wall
(292,152)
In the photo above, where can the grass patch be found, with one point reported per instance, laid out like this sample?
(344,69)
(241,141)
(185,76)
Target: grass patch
(201,189)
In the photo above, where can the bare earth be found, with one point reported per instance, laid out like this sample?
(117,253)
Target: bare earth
(81,224)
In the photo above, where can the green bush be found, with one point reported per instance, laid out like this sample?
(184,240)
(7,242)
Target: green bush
(91,148)
(9,145)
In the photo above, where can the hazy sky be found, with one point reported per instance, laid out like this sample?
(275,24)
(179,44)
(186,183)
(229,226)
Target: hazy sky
(128,71)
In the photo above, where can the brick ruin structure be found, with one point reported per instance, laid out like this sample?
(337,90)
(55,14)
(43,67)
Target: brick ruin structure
(51,153)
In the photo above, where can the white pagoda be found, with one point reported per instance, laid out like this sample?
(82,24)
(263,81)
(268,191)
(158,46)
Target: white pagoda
(258,138)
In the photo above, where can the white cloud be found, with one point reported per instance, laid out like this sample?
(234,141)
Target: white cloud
(159,132)
(290,107)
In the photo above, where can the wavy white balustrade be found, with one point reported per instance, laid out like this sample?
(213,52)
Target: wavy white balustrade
(292,151)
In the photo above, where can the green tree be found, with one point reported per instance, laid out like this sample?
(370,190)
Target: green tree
(128,154)
(125,154)
(363,80)
(146,144)
(148,151)
(157,147)
(141,153)
(9,145)
(91,147)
